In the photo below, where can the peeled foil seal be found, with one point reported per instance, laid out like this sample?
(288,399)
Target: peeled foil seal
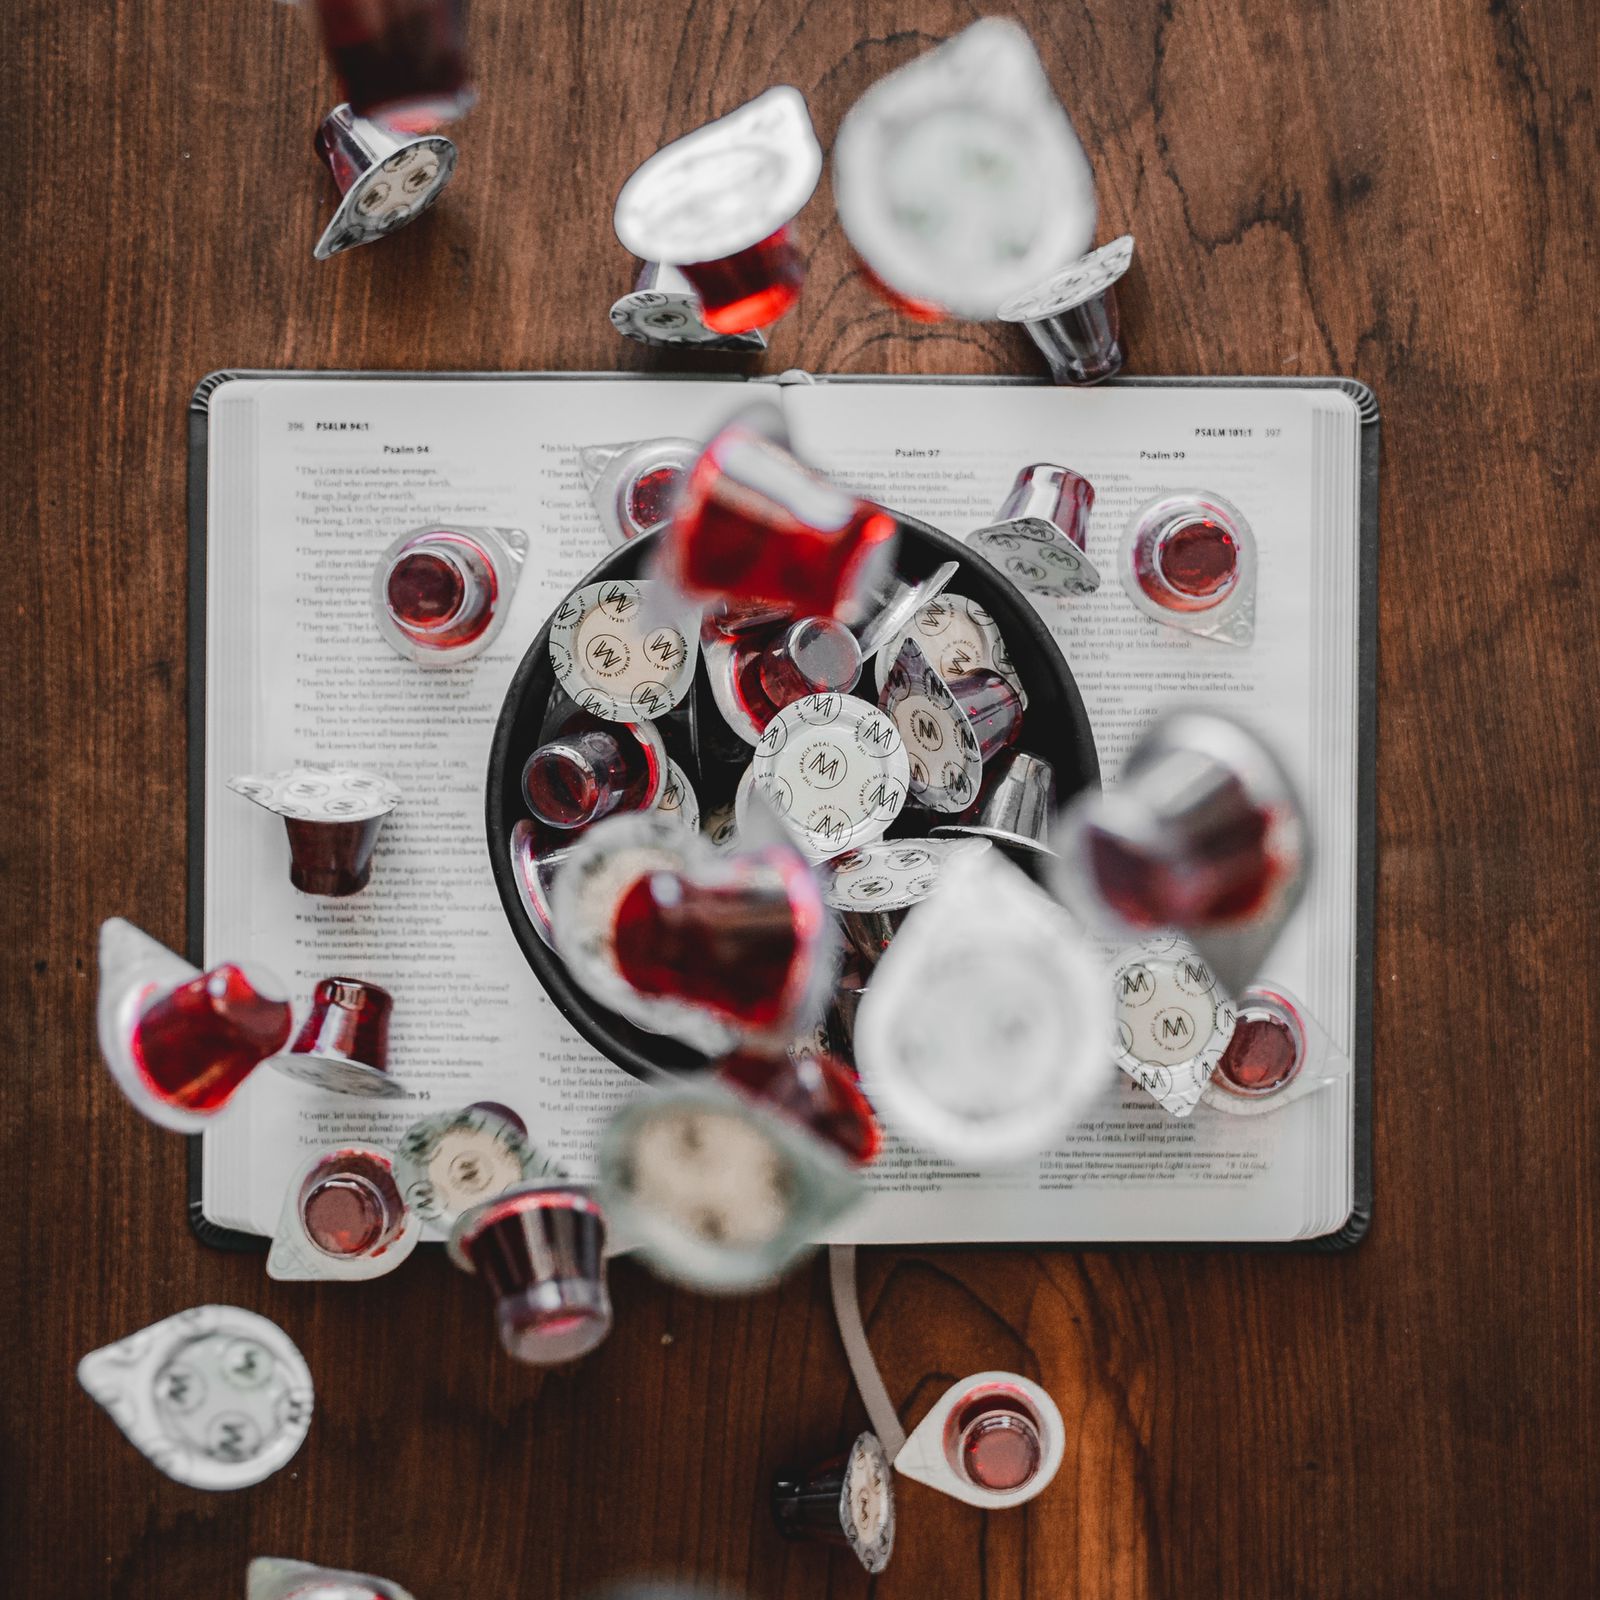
(959,179)
(926,1455)
(1173,1021)
(725,186)
(216,1397)
(946,765)
(986,970)
(957,635)
(834,768)
(614,659)
(273,1578)
(720,1194)
(678,799)
(320,794)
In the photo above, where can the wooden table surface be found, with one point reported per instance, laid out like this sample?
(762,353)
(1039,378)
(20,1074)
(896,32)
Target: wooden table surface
(1396,191)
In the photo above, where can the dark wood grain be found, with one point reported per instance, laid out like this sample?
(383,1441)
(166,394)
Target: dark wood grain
(1401,191)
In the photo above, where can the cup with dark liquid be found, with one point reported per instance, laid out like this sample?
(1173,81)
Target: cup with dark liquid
(441,594)
(1040,535)
(753,524)
(402,63)
(1188,560)
(592,768)
(332,816)
(540,1251)
(181,1042)
(343,1044)
(344,1217)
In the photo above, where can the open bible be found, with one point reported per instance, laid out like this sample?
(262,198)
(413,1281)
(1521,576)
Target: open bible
(298,482)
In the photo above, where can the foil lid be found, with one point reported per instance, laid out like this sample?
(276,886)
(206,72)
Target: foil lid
(848,1500)
(1040,534)
(835,768)
(721,1195)
(946,765)
(1038,558)
(1072,286)
(385,181)
(986,968)
(613,659)
(454,1160)
(891,876)
(215,1397)
(724,187)
(1173,1021)
(959,179)
(320,794)
(678,799)
(273,1578)
(957,635)
(866,1503)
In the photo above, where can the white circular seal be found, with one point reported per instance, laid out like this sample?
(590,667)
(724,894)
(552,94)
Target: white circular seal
(957,635)
(612,660)
(835,768)
(725,186)
(946,765)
